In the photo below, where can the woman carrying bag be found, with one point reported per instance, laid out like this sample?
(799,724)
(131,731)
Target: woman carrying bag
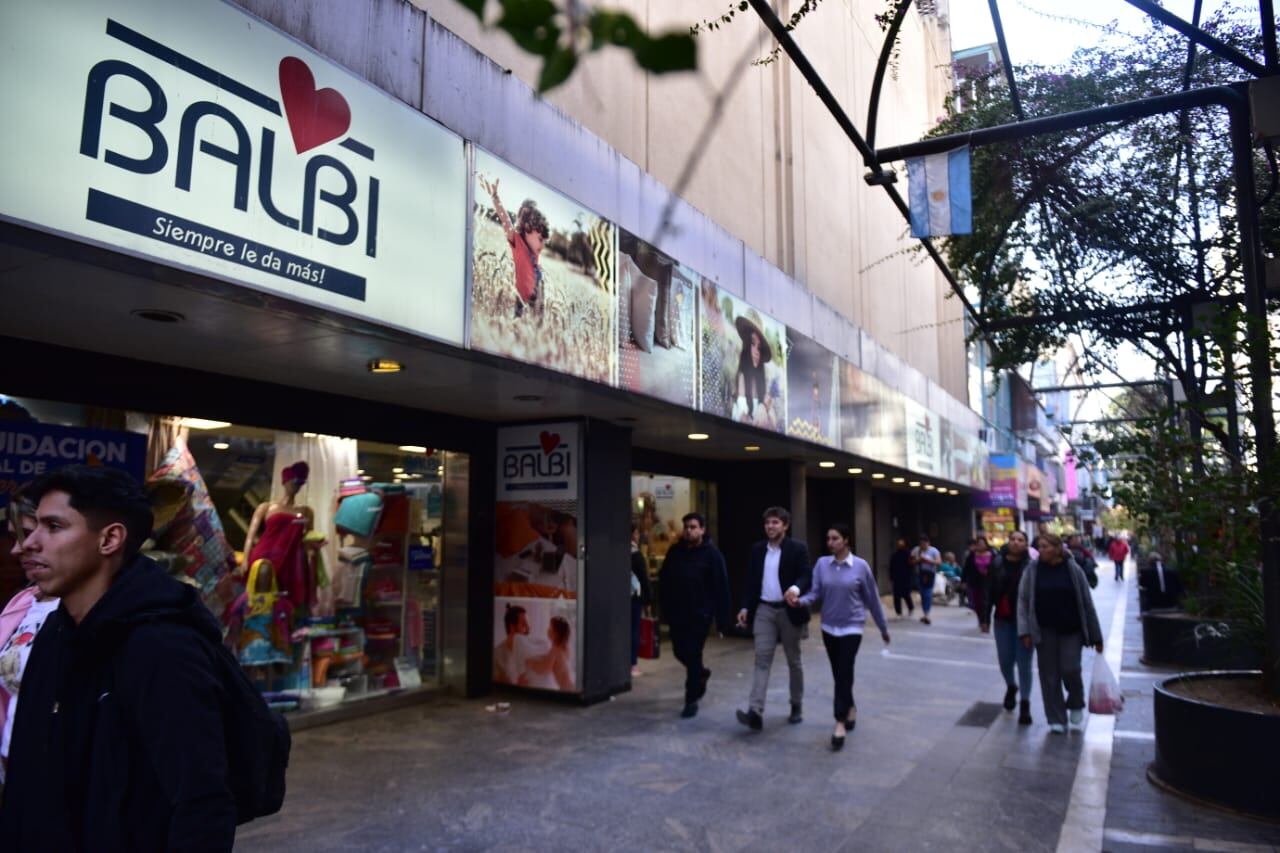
(1056,615)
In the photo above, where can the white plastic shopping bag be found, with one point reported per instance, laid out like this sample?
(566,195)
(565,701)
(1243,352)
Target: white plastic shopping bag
(1104,691)
(940,585)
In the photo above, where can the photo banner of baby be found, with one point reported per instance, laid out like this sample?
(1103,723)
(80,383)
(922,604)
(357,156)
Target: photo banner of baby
(536,561)
(657,316)
(542,279)
(744,361)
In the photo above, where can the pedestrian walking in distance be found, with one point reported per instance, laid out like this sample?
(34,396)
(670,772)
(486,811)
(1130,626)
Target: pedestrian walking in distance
(1001,600)
(694,589)
(779,565)
(1118,550)
(902,578)
(845,590)
(118,742)
(925,560)
(641,597)
(1056,615)
(976,567)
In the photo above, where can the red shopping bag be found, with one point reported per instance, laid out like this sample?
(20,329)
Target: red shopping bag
(650,645)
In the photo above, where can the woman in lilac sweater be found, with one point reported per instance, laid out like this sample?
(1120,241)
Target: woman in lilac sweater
(846,589)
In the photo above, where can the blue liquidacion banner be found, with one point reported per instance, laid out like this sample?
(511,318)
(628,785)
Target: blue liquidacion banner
(28,450)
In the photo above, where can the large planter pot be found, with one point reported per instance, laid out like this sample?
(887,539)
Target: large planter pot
(1225,756)
(1175,638)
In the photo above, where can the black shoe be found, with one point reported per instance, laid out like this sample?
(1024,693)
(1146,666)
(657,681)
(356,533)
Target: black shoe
(702,689)
(796,716)
(1010,697)
(690,710)
(850,724)
(1024,713)
(925,620)
(751,720)
(837,743)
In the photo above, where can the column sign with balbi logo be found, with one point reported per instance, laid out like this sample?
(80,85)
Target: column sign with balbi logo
(197,134)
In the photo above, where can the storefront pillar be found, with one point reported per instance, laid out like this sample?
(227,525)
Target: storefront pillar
(606,593)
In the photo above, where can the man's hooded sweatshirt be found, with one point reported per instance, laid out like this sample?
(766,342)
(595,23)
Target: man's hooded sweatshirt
(118,743)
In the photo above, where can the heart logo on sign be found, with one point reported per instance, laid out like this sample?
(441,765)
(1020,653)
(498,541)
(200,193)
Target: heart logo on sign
(550,441)
(316,116)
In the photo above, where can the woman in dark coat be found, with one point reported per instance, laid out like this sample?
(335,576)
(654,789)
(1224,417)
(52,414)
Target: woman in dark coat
(977,566)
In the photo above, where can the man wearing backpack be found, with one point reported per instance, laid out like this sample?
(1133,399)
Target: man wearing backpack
(127,733)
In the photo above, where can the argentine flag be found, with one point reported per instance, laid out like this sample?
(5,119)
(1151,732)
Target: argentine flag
(938,190)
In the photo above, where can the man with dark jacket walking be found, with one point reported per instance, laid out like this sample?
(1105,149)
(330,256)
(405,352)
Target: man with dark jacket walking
(694,589)
(778,564)
(902,576)
(118,740)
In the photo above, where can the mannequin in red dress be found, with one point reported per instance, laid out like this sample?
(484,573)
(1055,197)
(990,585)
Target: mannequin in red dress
(282,524)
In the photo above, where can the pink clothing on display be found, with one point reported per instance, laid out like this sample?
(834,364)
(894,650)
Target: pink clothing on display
(281,543)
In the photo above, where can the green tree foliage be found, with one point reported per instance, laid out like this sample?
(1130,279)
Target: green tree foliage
(560,36)
(1107,217)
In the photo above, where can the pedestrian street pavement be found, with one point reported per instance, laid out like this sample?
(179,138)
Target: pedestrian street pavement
(934,764)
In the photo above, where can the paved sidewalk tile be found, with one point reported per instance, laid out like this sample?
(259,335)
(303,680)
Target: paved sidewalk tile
(1142,817)
(630,775)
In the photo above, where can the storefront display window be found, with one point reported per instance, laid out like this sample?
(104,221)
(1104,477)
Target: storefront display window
(658,503)
(320,555)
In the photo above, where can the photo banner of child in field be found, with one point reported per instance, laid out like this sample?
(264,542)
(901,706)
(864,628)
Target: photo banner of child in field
(657,314)
(542,288)
(744,361)
(813,399)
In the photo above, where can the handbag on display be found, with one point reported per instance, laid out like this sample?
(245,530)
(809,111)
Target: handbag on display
(650,643)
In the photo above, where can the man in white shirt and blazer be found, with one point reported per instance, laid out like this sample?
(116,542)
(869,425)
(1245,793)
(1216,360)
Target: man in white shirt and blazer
(778,564)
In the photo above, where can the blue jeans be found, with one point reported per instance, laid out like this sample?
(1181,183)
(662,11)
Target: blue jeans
(926,596)
(1009,650)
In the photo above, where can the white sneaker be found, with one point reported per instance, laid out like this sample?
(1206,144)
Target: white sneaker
(1076,718)
(636,672)
(1057,728)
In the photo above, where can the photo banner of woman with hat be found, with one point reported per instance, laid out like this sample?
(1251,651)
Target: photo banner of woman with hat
(744,361)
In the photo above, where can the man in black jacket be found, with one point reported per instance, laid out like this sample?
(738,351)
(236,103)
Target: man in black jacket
(778,564)
(118,738)
(694,589)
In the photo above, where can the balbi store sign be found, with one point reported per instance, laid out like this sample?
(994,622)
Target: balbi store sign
(197,134)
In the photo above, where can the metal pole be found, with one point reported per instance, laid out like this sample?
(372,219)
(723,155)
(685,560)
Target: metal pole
(1004,59)
(779,30)
(1259,345)
(1200,37)
(1208,96)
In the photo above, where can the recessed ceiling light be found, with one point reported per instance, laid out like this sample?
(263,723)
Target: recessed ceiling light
(384,365)
(527,398)
(203,423)
(915,484)
(158,315)
(877,476)
(899,479)
(855,470)
(929,487)
(359,470)
(397,470)
(954,492)
(309,434)
(826,464)
(751,448)
(698,436)
(413,448)
(367,478)
(221,445)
